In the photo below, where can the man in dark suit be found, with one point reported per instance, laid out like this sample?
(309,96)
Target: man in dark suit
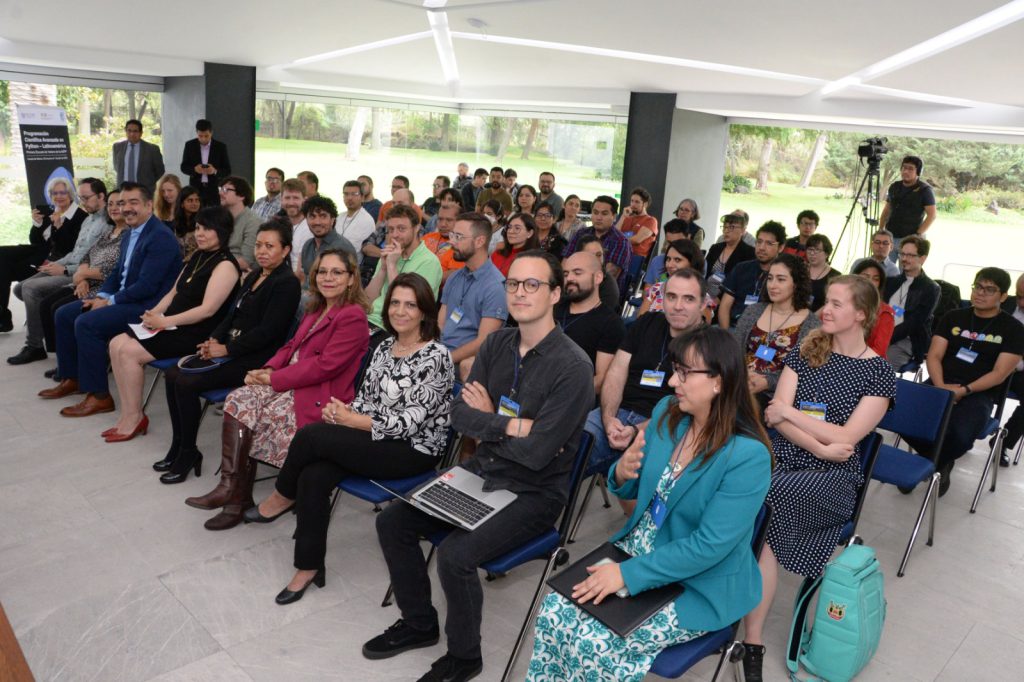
(913,296)
(136,160)
(205,161)
(149,262)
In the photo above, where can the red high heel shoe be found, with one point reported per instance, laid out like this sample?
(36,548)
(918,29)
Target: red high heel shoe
(111,430)
(141,427)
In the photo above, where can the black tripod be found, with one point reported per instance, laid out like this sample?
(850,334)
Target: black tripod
(867,198)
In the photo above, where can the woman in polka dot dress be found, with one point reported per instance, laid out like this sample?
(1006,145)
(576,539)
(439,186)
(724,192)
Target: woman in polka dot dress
(830,395)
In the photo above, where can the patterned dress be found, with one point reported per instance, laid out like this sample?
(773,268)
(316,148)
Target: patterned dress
(812,498)
(782,341)
(570,644)
(103,256)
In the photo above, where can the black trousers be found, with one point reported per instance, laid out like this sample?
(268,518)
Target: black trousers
(48,309)
(318,458)
(970,414)
(17,263)
(399,529)
(1015,424)
(185,404)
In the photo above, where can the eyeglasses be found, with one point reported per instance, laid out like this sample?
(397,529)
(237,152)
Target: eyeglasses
(456,237)
(335,272)
(981,289)
(732,226)
(682,372)
(272,178)
(352,194)
(530,285)
(814,249)
(86,197)
(881,242)
(226,189)
(543,216)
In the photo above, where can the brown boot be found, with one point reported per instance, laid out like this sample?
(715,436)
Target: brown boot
(236,440)
(240,500)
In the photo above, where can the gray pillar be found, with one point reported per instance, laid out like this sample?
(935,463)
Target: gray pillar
(647,146)
(696,163)
(184,101)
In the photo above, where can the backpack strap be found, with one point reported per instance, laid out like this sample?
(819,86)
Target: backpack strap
(798,629)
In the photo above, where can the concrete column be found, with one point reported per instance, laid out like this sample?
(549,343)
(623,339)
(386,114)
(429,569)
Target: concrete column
(184,101)
(647,146)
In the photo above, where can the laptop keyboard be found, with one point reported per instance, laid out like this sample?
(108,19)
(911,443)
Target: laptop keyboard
(464,507)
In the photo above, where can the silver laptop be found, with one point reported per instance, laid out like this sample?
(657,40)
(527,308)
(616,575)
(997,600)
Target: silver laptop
(458,497)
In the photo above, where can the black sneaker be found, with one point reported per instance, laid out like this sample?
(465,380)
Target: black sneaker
(51,374)
(753,660)
(6,323)
(28,354)
(946,472)
(399,638)
(1004,458)
(451,669)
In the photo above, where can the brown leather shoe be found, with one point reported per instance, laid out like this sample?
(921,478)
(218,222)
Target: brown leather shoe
(64,388)
(89,406)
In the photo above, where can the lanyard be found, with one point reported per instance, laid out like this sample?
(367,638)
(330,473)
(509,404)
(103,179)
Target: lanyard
(664,351)
(515,376)
(975,336)
(771,335)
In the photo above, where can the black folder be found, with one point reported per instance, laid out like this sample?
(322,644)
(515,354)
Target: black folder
(621,615)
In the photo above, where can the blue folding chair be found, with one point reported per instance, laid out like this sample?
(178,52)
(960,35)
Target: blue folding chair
(922,412)
(993,427)
(634,274)
(869,448)
(913,366)
(674,661)
(161,366)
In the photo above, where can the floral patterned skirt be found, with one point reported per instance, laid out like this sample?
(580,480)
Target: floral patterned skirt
(269,415)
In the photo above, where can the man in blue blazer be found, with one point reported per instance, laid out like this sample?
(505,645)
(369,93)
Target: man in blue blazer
(149,262)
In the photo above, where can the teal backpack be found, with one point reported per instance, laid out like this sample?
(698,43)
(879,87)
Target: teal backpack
(847,622)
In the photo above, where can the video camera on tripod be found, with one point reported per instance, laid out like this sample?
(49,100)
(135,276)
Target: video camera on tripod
(873,149)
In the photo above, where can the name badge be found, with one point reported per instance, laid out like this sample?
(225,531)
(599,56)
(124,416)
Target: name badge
(456,315)
(652,378)
(898,311)
(718,277)
(751,299)
(967,355)
(658,510)
(765,353)
(508,407)
(815,410)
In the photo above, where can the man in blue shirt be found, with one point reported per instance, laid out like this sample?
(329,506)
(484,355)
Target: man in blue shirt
(147,266)
(473,300)
(743,285)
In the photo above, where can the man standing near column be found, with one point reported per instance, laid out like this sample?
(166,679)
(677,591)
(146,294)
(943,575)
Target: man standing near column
(205,161)
(136,160)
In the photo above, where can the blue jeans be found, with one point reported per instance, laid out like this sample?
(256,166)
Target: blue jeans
(603,454)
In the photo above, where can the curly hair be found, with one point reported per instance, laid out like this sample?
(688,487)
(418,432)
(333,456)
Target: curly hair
(801,280)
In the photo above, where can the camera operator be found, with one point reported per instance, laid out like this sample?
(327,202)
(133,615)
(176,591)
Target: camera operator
(909,204)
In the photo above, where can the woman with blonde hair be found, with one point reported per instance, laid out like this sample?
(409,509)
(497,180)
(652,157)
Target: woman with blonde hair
(165,197)
(831,394)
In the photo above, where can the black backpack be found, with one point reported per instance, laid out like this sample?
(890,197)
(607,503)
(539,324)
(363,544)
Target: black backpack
(949,299)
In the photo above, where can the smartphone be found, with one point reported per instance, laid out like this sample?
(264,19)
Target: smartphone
(622,593)
(45,209)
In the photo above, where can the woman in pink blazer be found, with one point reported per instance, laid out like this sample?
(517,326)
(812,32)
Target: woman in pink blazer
(319,363)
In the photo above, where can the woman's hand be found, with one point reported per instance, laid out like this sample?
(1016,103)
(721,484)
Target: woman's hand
(604,580)
(477,397)
(152,320)
(835,452)
(258,377)
(82,289)
(337,412)
(775,413)
(757,383)
(628,466)
(213,349)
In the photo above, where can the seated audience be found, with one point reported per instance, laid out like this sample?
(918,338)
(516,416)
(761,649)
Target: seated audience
(743,285)
(639,227)
(881,246)
(473,300)
(549,238)
(236,196)
(396,427)
(546,185)
(430,206)
(51,237)
(319,363)
(725,255)
(256,325)
(526,200)
(520,235)
(608,290)
(292,198)
(681,253)
(495,189)
(913,297)
(148,263)
(165,198)
(569,221)
(674,230)
(184,317)
(807,223)
(685,223)
(371,203)
(268,205)
(817,252)
(769,330)
(617,251)
(881,333)
(441,244)
(184,221)
(528,422)
(706,439)
(471,191)
(831,394)
(55,276)
(973,352)
(584,318)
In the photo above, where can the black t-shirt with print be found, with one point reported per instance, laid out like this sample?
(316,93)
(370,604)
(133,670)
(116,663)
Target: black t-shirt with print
(647,343)
(966,333)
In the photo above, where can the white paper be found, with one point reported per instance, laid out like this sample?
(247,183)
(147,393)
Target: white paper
(142,332)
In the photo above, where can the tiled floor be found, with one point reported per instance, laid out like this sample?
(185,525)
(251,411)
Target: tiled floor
(106,575)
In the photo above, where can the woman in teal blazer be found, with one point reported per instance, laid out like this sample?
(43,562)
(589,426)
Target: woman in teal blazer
(699,473)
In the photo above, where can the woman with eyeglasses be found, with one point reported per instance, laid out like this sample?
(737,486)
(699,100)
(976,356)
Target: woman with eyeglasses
(396,427)
(723,256)
(687,215)
(831,394)
(319,363)
(819,249)
(548,236)
(699,473)
(256,325)
(520,235)
(881,332)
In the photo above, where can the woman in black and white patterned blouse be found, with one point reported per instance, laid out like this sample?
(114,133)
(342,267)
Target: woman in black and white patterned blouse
(396,427)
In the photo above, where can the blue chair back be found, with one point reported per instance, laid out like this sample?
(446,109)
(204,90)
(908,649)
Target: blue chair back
(869,447)
(921,411)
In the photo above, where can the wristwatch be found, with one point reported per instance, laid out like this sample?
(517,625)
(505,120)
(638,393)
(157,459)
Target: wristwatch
(968,389)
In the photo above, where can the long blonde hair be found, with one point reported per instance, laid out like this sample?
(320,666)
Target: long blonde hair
(817,345)
(163,210)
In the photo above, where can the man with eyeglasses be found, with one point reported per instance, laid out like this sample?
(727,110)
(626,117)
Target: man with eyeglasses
(913,297)
(881,246)
(148,264)
(92,198)
(51,237)
(743,285)
(473,299)
(236,196)
(268,205)
(356,224)
(807,223)
(638,376)
(522,402)
(433,203)
(973,352)
(403,251)
(321,215)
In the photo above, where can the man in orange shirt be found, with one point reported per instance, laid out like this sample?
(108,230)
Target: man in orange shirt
(440,243)
(637,224)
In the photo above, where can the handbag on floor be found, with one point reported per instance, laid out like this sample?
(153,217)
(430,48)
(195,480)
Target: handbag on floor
(848,620)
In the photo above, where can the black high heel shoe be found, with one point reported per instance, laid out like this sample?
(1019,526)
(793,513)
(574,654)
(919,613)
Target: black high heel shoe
(168,461)
(253,515)
(180,467)
(286,596)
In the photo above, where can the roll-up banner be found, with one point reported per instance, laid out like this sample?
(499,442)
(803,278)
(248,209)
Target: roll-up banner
(46,148)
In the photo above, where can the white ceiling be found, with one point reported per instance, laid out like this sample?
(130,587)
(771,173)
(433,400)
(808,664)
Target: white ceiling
(751,60)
